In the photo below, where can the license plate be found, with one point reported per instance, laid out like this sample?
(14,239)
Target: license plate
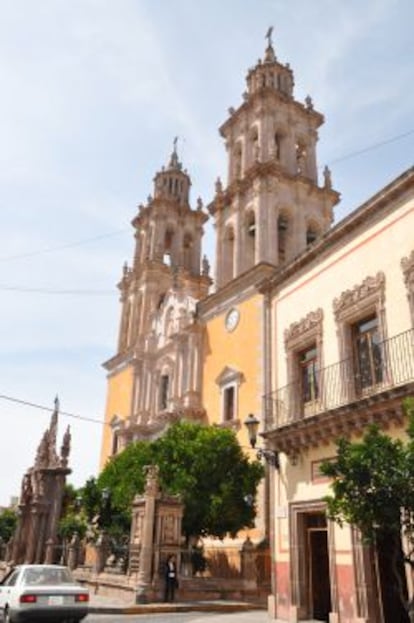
(55,600)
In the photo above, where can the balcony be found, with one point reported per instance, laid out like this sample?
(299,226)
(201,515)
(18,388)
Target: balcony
(348,395)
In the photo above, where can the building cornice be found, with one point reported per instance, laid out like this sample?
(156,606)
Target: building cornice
(268,93)
(262,171)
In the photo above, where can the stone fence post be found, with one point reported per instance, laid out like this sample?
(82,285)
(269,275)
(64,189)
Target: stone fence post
(102,548)
(248,561)
(73,554)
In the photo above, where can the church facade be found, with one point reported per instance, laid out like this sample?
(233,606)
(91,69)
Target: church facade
(306,325)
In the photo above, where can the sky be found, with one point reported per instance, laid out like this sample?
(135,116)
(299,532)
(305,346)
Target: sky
(93,93)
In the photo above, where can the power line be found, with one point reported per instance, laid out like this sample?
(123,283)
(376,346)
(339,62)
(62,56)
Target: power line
(35,405)
(69,245)
(371,147)
(52,291)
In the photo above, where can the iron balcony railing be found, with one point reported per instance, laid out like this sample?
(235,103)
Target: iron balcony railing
(344,382)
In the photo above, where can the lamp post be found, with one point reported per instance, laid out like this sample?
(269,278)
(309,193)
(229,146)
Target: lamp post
(270,456)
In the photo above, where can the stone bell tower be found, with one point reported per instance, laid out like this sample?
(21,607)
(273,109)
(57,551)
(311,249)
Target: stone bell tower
(155,377)
(273,205)
(168,237)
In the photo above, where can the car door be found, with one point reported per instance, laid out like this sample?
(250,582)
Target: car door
(7,587)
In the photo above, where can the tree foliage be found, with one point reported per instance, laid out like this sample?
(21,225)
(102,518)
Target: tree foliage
(373,489)
(373,482)
(204,465)
(8,522)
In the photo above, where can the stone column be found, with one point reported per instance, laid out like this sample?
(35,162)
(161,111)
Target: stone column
(145,563)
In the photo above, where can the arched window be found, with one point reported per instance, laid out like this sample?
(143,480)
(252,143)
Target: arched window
(168,245)
(187,250)
(277,147)
(238,161)
(311,234)
(250,239)
(164,391)
(228,254)
(254,137)
(301,158)
(282,236)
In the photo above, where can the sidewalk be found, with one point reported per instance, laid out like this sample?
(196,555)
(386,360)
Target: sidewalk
(100,604)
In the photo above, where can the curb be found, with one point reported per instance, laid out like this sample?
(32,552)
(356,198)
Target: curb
(174,607)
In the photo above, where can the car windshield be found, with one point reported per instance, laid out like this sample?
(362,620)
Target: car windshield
(39,576)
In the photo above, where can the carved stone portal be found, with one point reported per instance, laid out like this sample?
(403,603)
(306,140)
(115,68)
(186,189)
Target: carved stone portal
(40,505)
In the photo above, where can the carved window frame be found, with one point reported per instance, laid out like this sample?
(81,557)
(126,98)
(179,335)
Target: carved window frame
(227,379)
(352,306)
(117,428)
(298,337)
(165,369)
(407,266)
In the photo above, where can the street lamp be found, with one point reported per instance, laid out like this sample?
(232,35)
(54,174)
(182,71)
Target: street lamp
(270,456)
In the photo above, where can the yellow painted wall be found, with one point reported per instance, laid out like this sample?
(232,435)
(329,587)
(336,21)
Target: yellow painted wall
(240,349)
(118,402)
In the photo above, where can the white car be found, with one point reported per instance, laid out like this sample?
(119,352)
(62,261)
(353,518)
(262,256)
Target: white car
(43,593)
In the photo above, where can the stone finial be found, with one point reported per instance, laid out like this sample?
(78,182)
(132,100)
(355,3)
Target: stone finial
(199,203)
(65,448)
(205,266)
(52,454)
(219,186)
(42,453)
(151,480)
(27,490)
(327,178)
(149,199)
(231,110)
(125,269)
(309,102)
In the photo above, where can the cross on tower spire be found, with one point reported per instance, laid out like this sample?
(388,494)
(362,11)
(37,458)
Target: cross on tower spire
(268,36)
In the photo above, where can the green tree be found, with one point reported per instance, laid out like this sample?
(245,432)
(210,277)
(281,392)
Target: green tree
(205,465)
(373,488)
(8,522)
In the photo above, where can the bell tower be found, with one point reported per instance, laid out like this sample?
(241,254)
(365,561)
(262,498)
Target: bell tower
(168,235)
(273,206)
(155,376)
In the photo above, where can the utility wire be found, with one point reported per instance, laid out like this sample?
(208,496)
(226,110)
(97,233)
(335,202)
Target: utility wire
(51,291)
(352,154)
(50,409)
(69,245)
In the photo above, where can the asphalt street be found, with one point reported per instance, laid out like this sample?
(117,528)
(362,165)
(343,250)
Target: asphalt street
(252,616)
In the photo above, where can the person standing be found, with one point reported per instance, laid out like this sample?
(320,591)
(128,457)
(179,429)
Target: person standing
(171,582)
